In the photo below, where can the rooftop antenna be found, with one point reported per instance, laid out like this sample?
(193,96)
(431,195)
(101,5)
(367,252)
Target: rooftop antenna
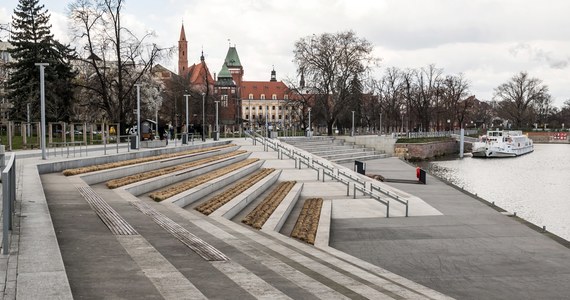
(229,43)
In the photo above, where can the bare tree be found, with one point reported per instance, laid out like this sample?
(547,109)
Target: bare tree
(330,62)
(114,59)
(426,92)
(517,96)
(391,91)
(455,89)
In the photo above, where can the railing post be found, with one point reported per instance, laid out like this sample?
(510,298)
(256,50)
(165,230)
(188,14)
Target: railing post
(354,190)
(388,209)
(347,188)
(406,208)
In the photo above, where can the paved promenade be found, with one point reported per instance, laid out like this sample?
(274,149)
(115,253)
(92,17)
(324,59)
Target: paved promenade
(470,251)
(452,245)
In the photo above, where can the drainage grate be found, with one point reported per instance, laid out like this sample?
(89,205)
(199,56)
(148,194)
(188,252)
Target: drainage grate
(205,250)
(106,213)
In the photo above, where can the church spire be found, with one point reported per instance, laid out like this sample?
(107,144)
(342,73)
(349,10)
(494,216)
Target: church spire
(182,53)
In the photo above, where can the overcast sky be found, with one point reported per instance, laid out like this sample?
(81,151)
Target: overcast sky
(489,41)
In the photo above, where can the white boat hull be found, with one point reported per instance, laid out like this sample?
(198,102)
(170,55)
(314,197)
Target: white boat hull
(492,151)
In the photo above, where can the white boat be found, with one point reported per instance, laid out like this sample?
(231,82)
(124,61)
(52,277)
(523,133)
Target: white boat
(499,143)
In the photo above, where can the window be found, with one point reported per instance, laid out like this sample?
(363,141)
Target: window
(273,107)
(260,107)
(250,97)
(262,96)
(274,97)
(273,117)
(247,116)
(224,101)
(286,97)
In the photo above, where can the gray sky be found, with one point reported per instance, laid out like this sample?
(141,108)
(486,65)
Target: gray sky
(489,41)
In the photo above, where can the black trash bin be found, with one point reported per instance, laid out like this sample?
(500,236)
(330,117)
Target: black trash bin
(133,142)
(184,139)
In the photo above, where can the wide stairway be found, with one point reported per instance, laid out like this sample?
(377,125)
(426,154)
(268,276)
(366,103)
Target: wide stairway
(334,150)
(230,221)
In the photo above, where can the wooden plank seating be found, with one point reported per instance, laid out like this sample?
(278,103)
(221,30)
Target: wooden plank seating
(218,201)
(188,184)
(115,183)
(93,168)
(259,215)
(307,224)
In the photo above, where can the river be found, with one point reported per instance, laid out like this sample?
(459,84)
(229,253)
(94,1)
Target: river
(536,186)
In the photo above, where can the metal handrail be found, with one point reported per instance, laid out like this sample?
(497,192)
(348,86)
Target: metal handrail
(8,201)
(313,163)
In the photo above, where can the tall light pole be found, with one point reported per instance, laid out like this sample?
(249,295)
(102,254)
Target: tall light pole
(310,131)
(266,117)
(217,134)
(352,131)
(380,123)
(249,104)
(187,113)
(29,128)
(203,116)
(138,85)
(43,107)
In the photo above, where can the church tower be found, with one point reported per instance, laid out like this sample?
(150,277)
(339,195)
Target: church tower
(182,53)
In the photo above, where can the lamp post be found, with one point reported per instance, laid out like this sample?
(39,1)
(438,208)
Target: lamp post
(186,127)
(249,109)
(217,132)
(29,128)
(310,133)
(352,131)
(138,85)
(380,123)
(203,116)
(266,117)
(43,108)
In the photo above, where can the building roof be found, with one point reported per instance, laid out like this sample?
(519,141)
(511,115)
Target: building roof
(196,74)
(225,77)
(232,58)
(268,88)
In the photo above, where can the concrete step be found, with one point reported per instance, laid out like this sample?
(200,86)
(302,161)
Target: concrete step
(333,157)
(324,153)
(367,157)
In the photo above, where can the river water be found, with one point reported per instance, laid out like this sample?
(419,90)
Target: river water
(536,186)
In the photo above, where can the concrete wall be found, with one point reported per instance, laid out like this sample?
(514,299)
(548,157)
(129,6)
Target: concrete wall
(88,161)
(379,143)
(426,150)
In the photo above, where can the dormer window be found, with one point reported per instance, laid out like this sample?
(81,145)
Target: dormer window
(250,97)
(262,96)
(274,97)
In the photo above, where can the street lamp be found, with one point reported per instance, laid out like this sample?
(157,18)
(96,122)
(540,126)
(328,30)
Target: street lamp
(249,109)
(217,132)
(187,114)
(266,117)
(43,107)
(138,85)
(203,116)
(310,133)
(380,123)
(352,131)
